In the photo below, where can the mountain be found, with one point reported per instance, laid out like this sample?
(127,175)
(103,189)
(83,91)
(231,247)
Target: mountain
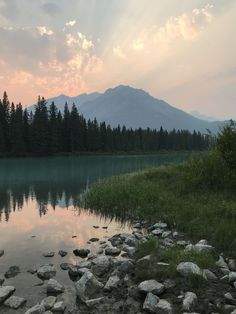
(202,116)
(134,108)
(62,99)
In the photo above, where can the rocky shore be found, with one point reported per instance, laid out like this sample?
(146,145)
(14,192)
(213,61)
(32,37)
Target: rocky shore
(108,280)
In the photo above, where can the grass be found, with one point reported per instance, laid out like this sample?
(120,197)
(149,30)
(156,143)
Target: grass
(197,197)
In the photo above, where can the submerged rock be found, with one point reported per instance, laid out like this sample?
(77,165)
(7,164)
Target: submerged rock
(49,254)
(62,253)
(14,302)
(81,252)
(94,239)
(12,272)
(5,292)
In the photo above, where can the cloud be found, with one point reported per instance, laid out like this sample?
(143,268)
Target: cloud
(50,8)
(9,9)
(71,23)
(43,30)
(118,51)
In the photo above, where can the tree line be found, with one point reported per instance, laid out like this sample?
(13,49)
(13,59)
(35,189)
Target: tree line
(48,131)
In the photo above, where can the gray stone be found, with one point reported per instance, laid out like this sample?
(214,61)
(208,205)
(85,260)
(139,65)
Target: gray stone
(65,266)
(12,272)
(152,286)
(163,307)
(129,250)
(137,225)
(188,268)
(32,270)
(161,225)
(101,265)
(144,261)
(169,284)
(73,270)
(203,242)
(94,239)
(157,232)
(112,283)
(182,243)
(5,292)
(150,303)
(126,267)
(37,309)
(229,298)
(48,302)
(14,302)
(112,251)
(199,248)
(85,264)
(232,276)
(209,275)
(59,307)
(46,272)
(190,301)
(166,234)
(231,264)
(87,286)
(131,240)
(49,254)
(53,286)
(1,253)
(2,279)
(221,263)
(138,235)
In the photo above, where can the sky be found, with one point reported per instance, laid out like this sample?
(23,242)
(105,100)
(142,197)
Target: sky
(181,51)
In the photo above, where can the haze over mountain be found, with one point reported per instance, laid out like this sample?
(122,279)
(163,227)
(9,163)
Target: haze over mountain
(133,108)
(202,116)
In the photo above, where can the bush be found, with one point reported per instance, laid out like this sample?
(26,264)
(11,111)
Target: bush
(226,145)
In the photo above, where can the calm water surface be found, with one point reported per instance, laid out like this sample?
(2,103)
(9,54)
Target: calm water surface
(38,211)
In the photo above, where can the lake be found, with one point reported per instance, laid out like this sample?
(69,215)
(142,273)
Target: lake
(39,212)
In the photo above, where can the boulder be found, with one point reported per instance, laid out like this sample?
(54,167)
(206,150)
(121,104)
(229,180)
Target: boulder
(112,283)
(59,307)
(87,286)
(48,302)
(12,271)
(53,286)
(37,309)
(101,265)
(190,301)
(188,268)
(150,303)
(112,251)
(81,252)
(6,292)
(152,286)
(46,272)
(14,302)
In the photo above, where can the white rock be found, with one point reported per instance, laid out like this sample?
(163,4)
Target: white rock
(37,309)
(188,268)
(46,272)
(152,286)
(53,286)
(93,302)
(87,286)
(5,292)
(112,283)
(190,301)
(14,302)
(59,307)
(49,302)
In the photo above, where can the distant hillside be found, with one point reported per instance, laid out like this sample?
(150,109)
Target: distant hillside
(202,116)
(134,108)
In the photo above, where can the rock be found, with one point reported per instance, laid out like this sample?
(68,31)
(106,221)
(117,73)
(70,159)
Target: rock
(112,283)
(101,265)
(138,235)
(199,248)
(95,227)
(188,268)
(129,250)
(59,307)
(102,242)
(49,254)
(137,225)
(81,253)
(14,302)
(112,251)
(62,253)
(157,232)
(54,286)
(175,234)
(221,263)
(161,225)
(126,267)
(46,272)
(93,302)
(166,234)
(225,279)
(163,307)
(105,227)
(144,261)
(65,266)
(32,270)
(150,303)
(73,270)
(232,265)
(37,309)
(169,284)
(203,242)
(12,272)
(182,243)
(87,286)
(232,276)
(2,279)
(1,253)
(229,298)
(99,251)
(94,240)
(152,286)
(48,302)
(85,264)
(116,240)
(190,301)
(131,240)
(5,292)
(209,275)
